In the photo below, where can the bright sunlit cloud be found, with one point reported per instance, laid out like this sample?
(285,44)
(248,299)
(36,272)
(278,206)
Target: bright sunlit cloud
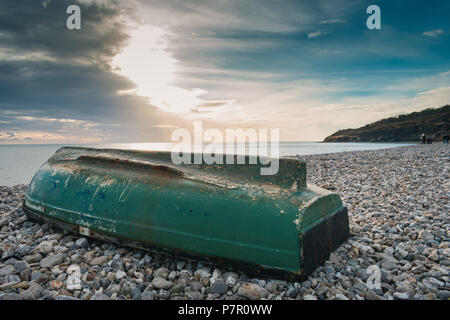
(148,62)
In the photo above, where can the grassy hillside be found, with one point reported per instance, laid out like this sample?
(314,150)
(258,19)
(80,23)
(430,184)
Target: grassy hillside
(406,127)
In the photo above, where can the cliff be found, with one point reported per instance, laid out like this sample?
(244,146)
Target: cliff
(407,127)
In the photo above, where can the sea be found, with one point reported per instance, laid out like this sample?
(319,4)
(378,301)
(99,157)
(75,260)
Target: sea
(18,163)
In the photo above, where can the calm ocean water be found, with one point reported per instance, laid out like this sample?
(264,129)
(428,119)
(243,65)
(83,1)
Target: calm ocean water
(18,163)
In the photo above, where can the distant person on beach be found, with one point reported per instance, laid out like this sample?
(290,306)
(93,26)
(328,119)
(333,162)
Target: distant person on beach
(429,139)
(424,139)
(445,138)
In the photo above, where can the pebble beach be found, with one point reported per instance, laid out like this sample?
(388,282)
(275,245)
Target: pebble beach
(398,205)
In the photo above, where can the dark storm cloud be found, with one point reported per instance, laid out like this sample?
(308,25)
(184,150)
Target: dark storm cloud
(27,26)
(67,90)
(50,75)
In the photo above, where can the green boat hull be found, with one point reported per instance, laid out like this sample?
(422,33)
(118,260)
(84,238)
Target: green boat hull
(272,225)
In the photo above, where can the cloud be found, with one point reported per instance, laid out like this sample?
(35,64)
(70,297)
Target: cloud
(331,21)
(147,55)
(223,17)
(433,33)
(316,34)
(59,84)
(39,30)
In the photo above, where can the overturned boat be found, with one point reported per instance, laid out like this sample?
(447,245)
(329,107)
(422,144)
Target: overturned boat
(276,226)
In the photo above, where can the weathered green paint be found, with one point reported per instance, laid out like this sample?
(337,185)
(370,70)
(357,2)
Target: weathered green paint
(226,211)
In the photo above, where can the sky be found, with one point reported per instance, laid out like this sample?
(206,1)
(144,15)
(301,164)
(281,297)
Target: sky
(138,70)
